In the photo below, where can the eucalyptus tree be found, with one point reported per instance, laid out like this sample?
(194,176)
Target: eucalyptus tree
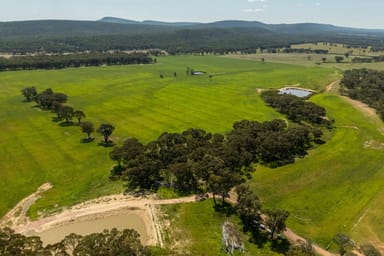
(106,130)
(88,128)
(78,114)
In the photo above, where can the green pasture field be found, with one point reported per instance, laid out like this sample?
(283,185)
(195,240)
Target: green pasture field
(34,149)
(337,49)
(196,230)
(339,186)
(314,60)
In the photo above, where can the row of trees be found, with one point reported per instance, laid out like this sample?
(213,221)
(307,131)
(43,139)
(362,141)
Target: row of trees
(297,109)
(365,85)
(56,102)
(107,243)
(73,60)
(304,50)
(368,59)
(198,161)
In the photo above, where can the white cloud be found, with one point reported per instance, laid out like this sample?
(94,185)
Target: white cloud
(253,10)
(254,1)
(318,4)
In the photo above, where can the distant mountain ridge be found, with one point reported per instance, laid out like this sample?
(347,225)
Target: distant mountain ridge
(146,22)
(110,33)
(114,26)
(296,27)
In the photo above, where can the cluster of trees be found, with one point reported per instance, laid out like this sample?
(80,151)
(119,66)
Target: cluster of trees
(368,59)
(196,161)
(303,50)
(254,218)
(56,102)
(365,85)
(107,243)
(297,109)
(73,60)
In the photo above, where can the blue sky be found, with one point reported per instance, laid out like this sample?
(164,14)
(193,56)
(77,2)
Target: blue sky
(353,13)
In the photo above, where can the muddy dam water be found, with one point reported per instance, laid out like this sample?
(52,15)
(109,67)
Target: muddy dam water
(84,227)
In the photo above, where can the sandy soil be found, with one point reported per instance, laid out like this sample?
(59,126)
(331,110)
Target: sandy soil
(371,112)
(98,208)
(333,87)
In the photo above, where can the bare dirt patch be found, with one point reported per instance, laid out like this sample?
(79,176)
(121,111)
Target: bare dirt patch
(364,108)
(333,87)
(373,144)
(115,205)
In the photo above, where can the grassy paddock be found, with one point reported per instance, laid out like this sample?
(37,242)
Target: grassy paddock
(35,150)
(196,230)
(314,61)
(337,49)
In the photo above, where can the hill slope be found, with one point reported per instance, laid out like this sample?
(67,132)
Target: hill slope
(112,33)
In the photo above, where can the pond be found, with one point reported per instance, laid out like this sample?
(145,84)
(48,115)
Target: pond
(296,91)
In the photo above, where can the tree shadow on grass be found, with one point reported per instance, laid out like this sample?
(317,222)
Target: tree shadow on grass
(55,119)
(37,106)
(257,236)
(225,208)
(280,245)
(319,142)
(87,140)
(106,144)
(66,124)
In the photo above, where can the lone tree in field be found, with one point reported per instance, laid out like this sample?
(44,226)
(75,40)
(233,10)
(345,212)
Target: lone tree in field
(339,59)
(29,92)
(78,114)
(106,130)
(276,221)
(88,128)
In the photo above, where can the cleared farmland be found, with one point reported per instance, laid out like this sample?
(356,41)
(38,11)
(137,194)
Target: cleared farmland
(339,182)
(35,150)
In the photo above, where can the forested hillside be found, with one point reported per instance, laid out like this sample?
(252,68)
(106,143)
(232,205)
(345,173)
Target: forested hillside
(219,37)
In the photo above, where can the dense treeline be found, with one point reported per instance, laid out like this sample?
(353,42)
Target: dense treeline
(302,50)
(365,85)
(73,60)
(296,108)
(109,242)
(368,59)
(198,161)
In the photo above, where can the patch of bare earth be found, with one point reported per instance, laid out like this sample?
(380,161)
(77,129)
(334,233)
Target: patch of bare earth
(145,207)
(364,108)
(333,87)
